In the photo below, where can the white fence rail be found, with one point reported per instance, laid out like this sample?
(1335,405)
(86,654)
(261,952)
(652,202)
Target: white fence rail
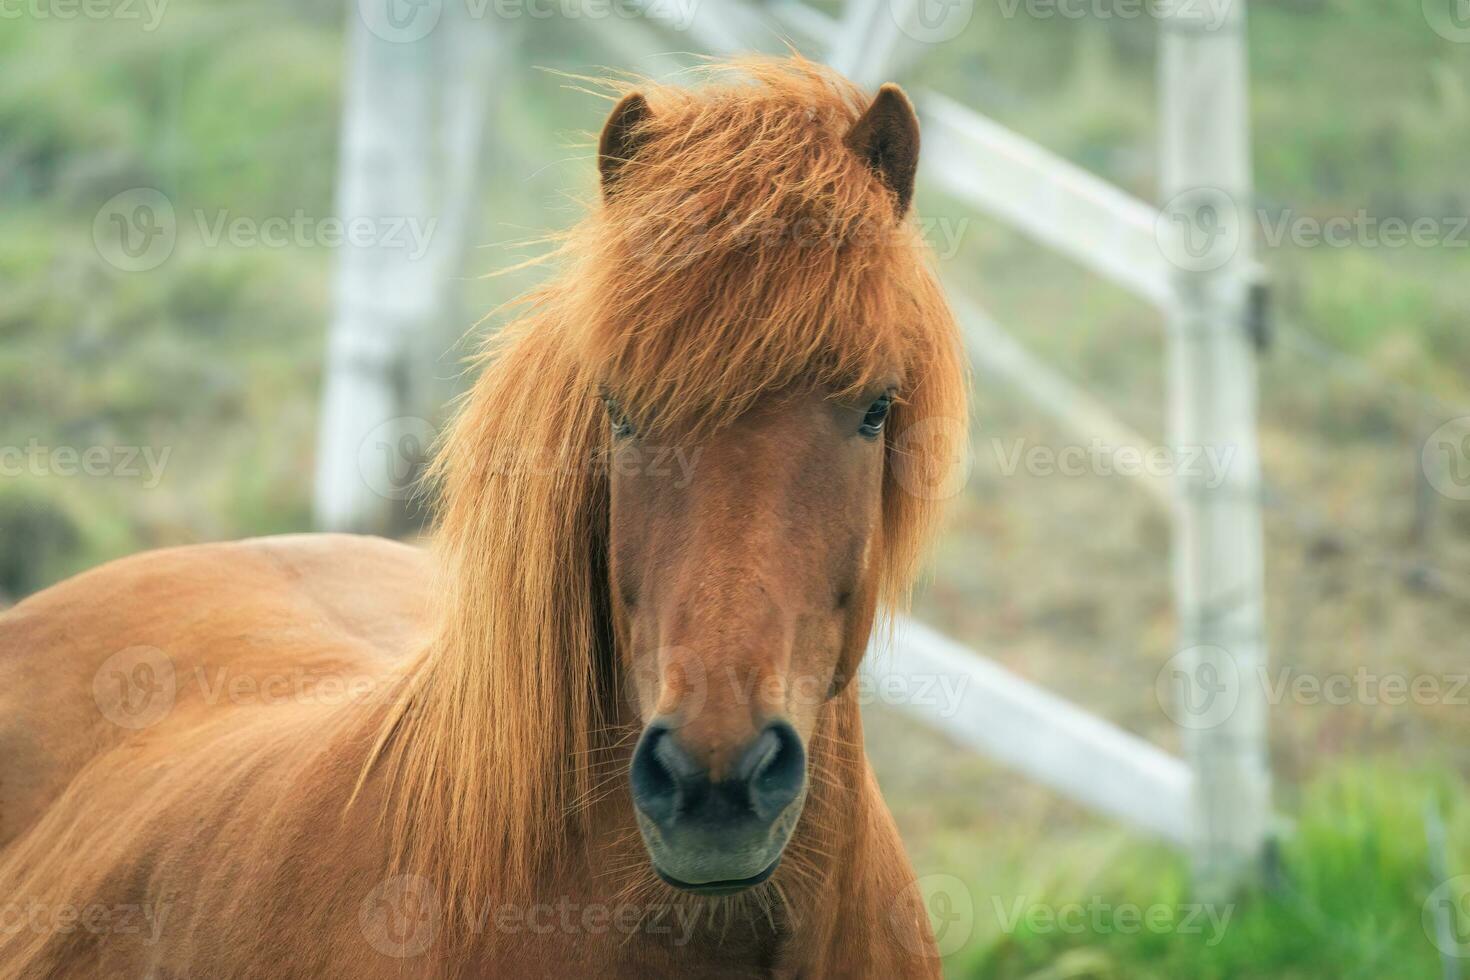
(990,710)
(994,350)
(1060,205)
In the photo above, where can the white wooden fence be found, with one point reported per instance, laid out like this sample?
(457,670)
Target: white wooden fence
(1217,804)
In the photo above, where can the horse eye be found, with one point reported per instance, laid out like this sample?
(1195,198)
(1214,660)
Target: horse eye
(877,414)
(621,427)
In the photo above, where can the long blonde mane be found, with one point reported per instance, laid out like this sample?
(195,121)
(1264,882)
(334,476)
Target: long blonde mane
(746,249)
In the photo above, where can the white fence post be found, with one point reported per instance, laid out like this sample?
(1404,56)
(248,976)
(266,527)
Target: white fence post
(870,36)
(382,295)
(1205,230)
(412,133)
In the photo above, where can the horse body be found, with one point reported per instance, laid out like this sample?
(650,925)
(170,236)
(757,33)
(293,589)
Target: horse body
(222,796)
(216,840)
(273,610)
(608,727)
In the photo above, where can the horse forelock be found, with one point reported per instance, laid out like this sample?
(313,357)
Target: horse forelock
(745,249)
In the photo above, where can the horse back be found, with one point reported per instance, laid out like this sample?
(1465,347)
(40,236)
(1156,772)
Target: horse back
(143,647)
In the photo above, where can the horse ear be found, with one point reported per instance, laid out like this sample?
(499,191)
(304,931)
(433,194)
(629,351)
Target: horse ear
(622,135)
(886,138)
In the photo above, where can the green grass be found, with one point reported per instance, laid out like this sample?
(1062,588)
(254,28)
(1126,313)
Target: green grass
(1346,903)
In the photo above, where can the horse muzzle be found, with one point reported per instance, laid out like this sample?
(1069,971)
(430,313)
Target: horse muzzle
(717,836)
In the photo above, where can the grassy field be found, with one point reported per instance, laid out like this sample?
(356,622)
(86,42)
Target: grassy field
(212,362)
(1024,886)
(1347,900)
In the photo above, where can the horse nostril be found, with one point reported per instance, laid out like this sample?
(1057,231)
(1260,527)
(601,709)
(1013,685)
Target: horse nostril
(661,774)
(774,768)
(670,785)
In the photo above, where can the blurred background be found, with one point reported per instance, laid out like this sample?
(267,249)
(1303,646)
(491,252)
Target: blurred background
(185,302)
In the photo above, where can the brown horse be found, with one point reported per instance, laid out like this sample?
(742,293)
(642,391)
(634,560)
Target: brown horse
(608,730)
